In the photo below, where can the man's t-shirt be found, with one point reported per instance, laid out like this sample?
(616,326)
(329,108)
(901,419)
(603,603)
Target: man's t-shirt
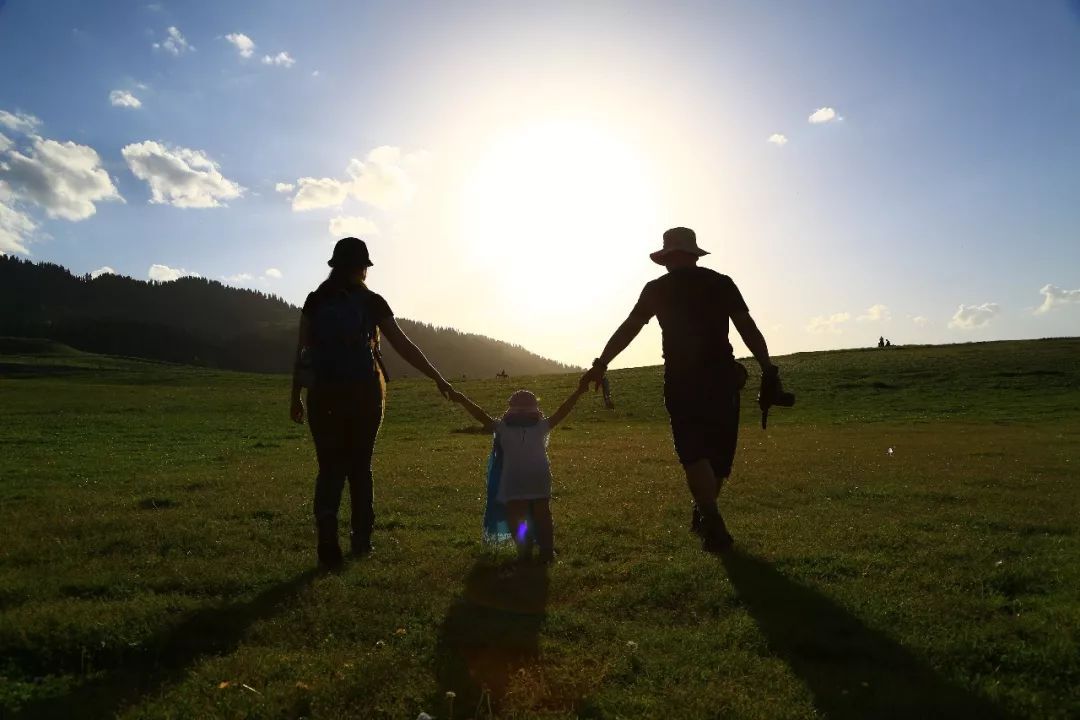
(693,306)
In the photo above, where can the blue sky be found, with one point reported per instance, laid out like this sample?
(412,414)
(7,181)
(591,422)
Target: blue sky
(512,167)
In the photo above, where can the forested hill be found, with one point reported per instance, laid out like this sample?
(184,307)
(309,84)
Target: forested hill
(203,322)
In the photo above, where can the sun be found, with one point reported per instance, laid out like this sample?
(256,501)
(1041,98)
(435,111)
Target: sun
(554,202)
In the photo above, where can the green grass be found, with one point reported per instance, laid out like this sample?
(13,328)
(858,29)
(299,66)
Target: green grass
(157,546)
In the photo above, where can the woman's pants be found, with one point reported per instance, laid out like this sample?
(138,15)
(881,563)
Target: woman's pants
(344,421)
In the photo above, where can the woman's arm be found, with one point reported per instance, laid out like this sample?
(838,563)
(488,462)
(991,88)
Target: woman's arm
(569,403)
(296,409)
(412,354)
(475,410)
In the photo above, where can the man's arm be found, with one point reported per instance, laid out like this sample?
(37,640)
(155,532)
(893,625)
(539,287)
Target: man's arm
(412,354)
(568,404)
(475,410)
(755,341)
(619,341)
(296,410)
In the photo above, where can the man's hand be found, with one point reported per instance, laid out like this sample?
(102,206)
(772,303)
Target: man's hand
(296,410)
(455,396)
(444,387)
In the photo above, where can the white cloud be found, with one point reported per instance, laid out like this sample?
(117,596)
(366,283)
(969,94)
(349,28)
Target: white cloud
(238,279)
(875,313)
(1053,296)
(164,273)
(243,44)
(5,142)
(124,99)
(919,320)
(969,317)
(829,324)
(382,179)
(823,115)
(284,187)
(179,176)
(272,273)
(16,227)
(317,193)
(175,43)
(65,179)
(314,73)
(282,59)
(778,139)
(19,122)
(352,226)
(103,270)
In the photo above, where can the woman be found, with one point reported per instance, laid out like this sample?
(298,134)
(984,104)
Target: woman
(337,359)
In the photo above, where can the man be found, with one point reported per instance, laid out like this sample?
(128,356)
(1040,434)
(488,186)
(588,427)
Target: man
(701,378)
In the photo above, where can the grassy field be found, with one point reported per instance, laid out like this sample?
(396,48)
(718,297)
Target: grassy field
(157,549)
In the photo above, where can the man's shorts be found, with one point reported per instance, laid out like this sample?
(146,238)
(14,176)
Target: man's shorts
(704,410)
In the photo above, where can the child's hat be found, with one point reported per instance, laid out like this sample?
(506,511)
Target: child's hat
(523,402)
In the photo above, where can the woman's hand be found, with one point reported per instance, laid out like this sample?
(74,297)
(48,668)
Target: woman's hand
(444,387)
(455,396)
(296,411)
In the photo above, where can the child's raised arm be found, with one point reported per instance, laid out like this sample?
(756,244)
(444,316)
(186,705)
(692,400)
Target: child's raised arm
(568,404)
(475,410)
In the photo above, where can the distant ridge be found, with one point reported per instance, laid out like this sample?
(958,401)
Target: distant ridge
(203,322)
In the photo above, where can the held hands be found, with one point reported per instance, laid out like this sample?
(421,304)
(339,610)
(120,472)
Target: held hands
(455,396)
(444,387)
(594,375)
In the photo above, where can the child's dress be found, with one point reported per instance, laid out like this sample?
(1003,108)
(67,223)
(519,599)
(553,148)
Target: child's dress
(526,473)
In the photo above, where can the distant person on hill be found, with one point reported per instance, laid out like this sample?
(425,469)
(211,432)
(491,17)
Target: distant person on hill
(701,378)
(338,360)
(881,342)
(888,343)
(519,474)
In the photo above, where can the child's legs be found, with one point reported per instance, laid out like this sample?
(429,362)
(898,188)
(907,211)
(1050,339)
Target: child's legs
(544,525)
(517,512)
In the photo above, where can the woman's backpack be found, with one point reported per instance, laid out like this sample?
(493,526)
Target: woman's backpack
(344,339)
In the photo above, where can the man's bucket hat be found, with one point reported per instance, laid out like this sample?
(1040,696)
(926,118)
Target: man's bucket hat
(678,239)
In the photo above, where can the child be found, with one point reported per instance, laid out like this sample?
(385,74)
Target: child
(524,481)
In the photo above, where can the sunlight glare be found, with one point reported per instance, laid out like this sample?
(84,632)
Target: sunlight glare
(552,208)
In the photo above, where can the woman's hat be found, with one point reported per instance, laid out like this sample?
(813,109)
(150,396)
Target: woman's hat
(350,253)
(523,402)
(678,239)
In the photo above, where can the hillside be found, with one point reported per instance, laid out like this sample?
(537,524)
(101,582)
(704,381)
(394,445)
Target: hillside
(158,547)
(203,322)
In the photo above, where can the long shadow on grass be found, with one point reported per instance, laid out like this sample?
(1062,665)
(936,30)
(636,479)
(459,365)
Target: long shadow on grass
(167,656)
(853,671)
(490,633)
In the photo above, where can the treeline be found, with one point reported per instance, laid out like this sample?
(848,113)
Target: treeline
(203,322)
